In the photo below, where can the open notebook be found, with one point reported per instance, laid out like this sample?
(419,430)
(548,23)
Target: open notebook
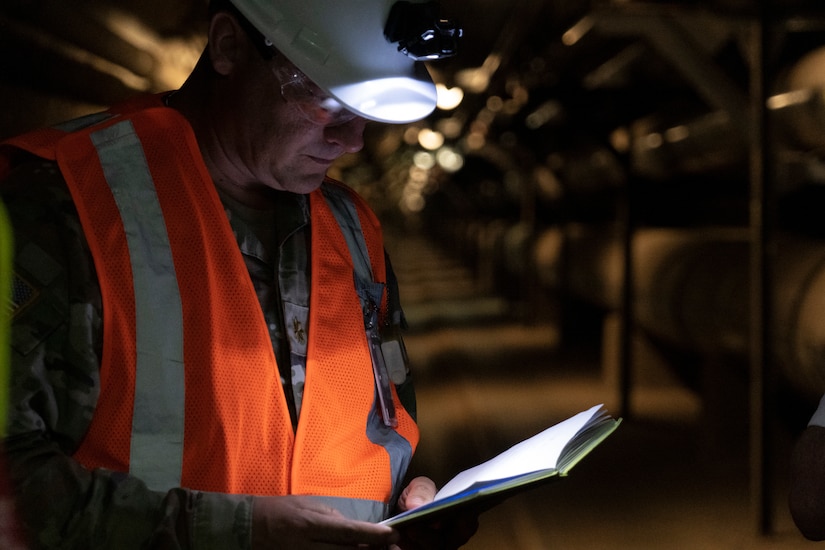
(547,456)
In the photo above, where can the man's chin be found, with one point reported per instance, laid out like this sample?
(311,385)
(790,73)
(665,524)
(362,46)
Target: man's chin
(303,185)
(310,184)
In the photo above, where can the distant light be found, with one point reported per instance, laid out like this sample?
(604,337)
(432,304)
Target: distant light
(677,133)
(547,111)
(653,140)
(577,31)
(476,80)
(512,106)
(448,98)
(484,118)
(449,159)
(789,99)
(548,183)
(620,140)
(418,179)
(475,141)
(450,127)
(413,202)
(495,103)
(411,135)
(424,160)
(429,139)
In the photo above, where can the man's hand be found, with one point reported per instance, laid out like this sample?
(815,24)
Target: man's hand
(445,534)
(419,492)
(301,523)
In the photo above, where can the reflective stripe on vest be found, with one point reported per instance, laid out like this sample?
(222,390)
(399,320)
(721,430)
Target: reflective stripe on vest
(156,451)
(227,444)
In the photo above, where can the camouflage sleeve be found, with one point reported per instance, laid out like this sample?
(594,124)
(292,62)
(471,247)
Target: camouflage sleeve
(56,331)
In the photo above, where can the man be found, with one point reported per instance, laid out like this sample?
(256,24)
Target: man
(169,392)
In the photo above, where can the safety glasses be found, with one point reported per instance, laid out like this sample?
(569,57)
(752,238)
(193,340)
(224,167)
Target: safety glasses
(296,88)
(308,98)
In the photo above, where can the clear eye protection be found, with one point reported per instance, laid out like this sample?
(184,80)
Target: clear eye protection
(313,103)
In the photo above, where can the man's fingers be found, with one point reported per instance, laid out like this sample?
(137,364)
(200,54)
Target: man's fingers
(420,491)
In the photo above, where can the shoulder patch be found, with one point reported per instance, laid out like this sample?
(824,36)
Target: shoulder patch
(23,294)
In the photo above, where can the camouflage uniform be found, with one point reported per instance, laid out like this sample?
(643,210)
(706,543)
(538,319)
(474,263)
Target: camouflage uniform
(56,342)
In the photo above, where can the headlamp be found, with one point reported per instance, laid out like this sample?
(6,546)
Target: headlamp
(419,31)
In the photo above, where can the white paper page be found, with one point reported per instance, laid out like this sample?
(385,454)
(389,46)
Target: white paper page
(539,452)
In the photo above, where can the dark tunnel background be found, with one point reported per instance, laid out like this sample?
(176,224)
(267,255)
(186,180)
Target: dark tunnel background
(625,208)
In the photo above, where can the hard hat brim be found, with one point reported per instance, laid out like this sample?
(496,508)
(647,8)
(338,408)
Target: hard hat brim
(341,47)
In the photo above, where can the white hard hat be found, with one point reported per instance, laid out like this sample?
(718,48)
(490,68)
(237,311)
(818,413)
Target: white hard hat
(341,46)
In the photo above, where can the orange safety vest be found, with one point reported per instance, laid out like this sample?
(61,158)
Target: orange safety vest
(190,390)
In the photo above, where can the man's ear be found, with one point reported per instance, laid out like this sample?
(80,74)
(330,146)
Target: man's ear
(227,42)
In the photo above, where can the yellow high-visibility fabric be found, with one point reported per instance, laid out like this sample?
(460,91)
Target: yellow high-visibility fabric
(6,255)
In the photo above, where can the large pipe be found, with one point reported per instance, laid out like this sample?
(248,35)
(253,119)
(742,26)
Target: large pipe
(692,286)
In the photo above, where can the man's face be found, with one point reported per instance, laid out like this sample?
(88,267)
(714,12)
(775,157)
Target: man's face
(276,133)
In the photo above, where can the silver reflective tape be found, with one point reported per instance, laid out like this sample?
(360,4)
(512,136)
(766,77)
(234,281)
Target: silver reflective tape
(347,217)
(399,449)
(158,423)
(354,508)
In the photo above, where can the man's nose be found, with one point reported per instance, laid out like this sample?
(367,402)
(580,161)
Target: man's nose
(349,135)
